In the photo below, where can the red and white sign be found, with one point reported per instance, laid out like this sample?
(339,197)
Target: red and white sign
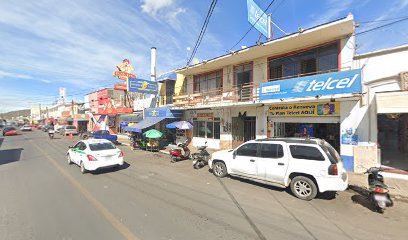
(110,109)
(125,70)
(123,75)
(120,86)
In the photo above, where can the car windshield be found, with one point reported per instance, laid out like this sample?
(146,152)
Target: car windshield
(331,152)
(101,146)
(70,127)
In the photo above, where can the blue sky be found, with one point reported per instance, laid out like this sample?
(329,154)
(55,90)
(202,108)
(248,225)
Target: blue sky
(47,44)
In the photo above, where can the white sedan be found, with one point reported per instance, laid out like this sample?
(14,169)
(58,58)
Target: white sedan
(26,128)
(94,154)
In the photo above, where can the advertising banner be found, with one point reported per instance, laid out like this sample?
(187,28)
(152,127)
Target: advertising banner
(254,13)
(142,86)
(305,110)
(316,85)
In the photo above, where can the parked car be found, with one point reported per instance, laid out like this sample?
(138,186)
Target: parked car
(69,129)
(9,131)
(93,154)
(57,128)
(307,166)
(26,128)
(104,134)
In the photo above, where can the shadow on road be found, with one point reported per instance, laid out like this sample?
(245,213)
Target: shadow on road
(323,196)
(1,141)
(10,155)
(361,197)
(111,169)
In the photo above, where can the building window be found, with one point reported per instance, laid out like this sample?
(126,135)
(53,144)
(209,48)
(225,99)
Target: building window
(208,81)
(243,74)
(207,129)
(318,60)
(183,89)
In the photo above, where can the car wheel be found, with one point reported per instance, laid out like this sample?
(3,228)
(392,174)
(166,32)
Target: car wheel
(69,159)
(83,170)
(219,169)
(303,188)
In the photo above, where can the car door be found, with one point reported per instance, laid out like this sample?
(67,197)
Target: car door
(245,159)
(73,152)
(81,152)
(272,161)
(308,159)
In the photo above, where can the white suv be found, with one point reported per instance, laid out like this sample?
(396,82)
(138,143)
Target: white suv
(308,166)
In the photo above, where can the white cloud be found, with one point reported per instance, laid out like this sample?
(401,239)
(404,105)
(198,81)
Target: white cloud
(4,74)
(151,7)
(172,17)
(46,81)
(333,9)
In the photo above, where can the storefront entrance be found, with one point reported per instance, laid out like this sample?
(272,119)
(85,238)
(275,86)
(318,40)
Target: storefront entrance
(327,131)
(243,129)
(393,140)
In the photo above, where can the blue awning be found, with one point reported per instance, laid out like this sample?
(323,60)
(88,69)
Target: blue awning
(172,76)
(138,127)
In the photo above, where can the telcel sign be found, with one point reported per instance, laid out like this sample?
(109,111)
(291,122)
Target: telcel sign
(316,85)
(255,13)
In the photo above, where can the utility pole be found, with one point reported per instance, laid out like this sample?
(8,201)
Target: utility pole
(72,108)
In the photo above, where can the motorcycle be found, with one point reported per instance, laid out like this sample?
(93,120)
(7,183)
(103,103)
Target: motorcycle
(51,133)
(378,195)
(84,134)
(177,155)
(201,159)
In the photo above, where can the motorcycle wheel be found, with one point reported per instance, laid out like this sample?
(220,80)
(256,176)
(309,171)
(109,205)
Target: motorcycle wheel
(380,210)
(172,159)
(85,137)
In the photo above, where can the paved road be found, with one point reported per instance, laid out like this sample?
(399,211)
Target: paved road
(42,197)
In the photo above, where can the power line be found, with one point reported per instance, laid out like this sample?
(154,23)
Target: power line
(252,26)
(203,29)
(381,26)
(382,20)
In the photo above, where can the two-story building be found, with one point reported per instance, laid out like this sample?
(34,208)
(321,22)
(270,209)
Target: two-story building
(108,105)
(222,95)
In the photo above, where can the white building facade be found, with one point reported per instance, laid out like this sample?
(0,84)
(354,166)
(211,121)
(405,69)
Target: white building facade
(307,84)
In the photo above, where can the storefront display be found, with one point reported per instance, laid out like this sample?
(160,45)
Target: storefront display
(306,120)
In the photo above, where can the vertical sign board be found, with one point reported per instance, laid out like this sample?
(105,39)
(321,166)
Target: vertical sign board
(254,13)
(142,86)
(316,85)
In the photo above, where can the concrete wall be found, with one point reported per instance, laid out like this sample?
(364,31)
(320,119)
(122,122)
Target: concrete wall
(380,72)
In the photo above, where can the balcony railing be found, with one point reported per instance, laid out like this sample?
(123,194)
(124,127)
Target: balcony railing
(244,93)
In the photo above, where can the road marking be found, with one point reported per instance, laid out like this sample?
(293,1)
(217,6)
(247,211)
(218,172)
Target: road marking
(122,229)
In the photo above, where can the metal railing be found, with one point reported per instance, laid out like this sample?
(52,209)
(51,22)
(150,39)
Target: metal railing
(242,93)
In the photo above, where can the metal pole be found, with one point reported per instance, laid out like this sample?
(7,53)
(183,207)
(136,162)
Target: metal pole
(269,27)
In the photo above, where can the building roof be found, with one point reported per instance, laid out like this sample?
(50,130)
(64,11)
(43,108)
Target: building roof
(382,51)
(296,41)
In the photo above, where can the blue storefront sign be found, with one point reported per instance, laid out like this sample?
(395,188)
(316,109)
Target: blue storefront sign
(316,85)
(254,13)
(162,113)
(142,86)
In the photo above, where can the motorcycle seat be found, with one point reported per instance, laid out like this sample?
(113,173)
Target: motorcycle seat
(379,184)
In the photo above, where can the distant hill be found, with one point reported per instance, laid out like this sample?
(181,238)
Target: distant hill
(18,113)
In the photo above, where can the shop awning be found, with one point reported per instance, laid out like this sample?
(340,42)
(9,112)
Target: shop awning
(170,76)
(138,127)
(392,102)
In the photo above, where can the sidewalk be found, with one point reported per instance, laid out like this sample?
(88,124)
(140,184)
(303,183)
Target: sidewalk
(398,187)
